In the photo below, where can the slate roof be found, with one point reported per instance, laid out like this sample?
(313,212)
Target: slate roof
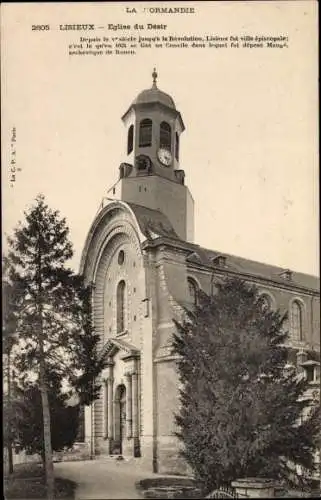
(255,268)
(154,95)
(154,224)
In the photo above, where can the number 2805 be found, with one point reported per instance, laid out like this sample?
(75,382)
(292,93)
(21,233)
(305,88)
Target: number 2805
(40,27)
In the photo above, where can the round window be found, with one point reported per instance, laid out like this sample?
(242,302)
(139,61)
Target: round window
(121,257)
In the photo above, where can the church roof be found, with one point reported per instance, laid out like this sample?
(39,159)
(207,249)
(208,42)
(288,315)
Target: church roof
(154,94)
(254,268)
(152,223)
(200,256)
(157,229)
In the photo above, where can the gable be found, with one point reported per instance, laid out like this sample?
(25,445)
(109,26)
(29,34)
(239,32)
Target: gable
(113,346)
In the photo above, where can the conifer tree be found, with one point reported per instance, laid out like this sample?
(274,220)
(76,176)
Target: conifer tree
(8,341)
(27,418)
(241,403)
(53,315)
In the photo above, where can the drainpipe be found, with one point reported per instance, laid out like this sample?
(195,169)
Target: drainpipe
(92,434)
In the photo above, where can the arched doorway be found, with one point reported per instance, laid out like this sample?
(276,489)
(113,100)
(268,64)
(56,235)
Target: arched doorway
(120,418)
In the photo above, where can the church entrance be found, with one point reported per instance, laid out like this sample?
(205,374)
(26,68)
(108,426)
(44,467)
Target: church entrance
(120,419)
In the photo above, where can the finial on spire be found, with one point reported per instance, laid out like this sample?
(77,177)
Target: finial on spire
(154,75)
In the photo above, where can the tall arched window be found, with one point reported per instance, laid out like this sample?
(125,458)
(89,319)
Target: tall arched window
(121,306)
(192,290)
(165,139)
(145,133)
(296,321)
(177,146)
(130,139)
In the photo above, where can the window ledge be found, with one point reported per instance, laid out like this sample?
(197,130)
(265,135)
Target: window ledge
(122,334)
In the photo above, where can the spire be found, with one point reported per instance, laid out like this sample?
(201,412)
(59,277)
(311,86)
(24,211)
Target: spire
(154,75)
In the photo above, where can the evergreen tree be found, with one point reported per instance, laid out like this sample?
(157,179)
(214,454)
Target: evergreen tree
(27,420)
(53,316)
(8,341)
(241,404)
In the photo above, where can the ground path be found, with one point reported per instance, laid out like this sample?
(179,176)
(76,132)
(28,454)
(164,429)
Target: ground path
(104,479)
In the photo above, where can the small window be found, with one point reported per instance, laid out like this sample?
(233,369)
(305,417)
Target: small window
(121,290)
(286,274)
(177,146)
(296,321)
(145,133)
(220,261)
(193,291)
(130,140)
(165,139)
(121,257)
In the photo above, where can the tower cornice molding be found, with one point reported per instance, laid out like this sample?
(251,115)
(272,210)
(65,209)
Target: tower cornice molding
(155,105)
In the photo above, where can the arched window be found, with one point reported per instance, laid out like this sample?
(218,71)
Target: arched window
(121,257)
(145,133)
(130,139)
(192,290)
(296,321)
(165,139)
(177,146)
(121,306)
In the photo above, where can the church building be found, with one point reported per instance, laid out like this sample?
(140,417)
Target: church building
(145,268)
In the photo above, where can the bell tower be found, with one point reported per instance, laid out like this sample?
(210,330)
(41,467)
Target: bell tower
(150,175)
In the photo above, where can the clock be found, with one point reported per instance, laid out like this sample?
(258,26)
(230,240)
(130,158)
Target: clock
(164,156)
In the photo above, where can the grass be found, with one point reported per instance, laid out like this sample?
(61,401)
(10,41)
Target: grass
(28,482)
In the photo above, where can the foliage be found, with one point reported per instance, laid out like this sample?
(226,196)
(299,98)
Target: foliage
(27,421)
(240,403)
(41,280)
(9,318)
(55,349)
(8,342)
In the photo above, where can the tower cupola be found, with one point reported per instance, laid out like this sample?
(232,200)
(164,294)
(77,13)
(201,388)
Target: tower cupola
(153,126)
(150,174)
(154,94)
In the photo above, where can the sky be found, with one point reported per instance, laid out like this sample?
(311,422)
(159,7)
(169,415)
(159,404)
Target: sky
(250,148)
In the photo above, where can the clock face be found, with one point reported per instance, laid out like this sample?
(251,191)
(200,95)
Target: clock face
(164,156)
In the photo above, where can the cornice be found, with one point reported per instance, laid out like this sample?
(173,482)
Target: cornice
(183,246)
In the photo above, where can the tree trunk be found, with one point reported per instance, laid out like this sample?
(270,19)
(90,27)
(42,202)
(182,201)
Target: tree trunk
(50,479)
(10,454)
